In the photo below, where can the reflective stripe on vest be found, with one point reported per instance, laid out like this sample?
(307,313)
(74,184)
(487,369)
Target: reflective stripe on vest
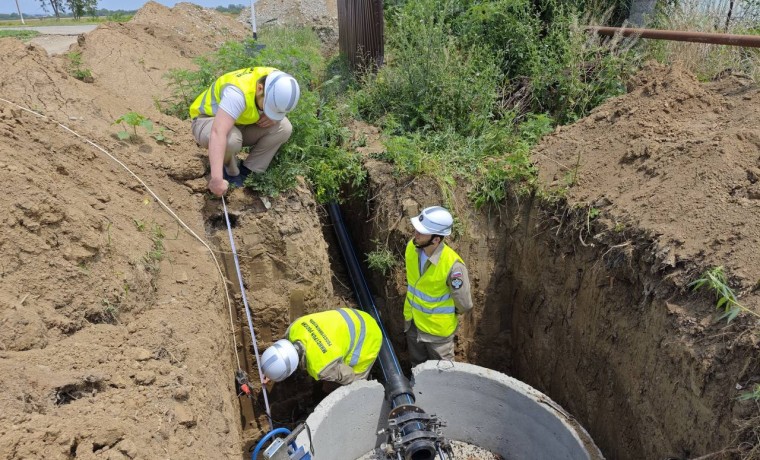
(347,334)
(428,298)
(207,103)
(356,346)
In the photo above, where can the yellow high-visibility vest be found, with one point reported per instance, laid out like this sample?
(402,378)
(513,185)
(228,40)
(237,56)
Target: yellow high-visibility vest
(346,333)
(207,103)
(428,298)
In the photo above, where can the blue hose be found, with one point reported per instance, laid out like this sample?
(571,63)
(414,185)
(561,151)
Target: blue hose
(266,438)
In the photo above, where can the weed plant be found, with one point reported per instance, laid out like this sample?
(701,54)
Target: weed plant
(132,120)
(753,395)
(715,279)
(76,69)
(381,259)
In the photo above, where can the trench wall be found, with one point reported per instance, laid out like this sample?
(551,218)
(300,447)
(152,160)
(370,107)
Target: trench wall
(597,320)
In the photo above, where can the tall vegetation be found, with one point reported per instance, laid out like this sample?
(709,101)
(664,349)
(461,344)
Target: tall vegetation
(706,61)
(470,85)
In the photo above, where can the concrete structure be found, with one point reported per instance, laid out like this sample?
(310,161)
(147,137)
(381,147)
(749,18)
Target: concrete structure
(480,406)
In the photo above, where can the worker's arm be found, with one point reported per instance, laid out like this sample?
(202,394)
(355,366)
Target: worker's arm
(459,286)
(338,372)
(217,145)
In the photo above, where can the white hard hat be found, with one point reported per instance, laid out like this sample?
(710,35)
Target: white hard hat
(280,360)
(281,93)
(434,220)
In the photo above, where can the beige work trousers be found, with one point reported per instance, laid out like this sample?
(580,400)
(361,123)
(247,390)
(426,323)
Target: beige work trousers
(420,351)
(264,142)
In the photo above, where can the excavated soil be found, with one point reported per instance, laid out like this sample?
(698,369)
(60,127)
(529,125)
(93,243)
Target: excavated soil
(116,340)
(115,335)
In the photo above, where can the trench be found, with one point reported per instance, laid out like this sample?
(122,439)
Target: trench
(593,323)
(587,324)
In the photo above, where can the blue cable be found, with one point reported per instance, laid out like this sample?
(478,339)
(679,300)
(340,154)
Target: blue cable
(266,438)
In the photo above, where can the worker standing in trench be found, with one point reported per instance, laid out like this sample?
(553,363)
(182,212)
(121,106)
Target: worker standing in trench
(338,346)
(438,288)
(246,107)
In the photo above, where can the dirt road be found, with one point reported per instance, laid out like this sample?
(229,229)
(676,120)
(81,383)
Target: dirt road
(56,39)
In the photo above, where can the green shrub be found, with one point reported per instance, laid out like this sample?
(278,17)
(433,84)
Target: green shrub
(381,259)
(431,83)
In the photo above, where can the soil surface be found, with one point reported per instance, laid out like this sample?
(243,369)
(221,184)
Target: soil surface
(117,340)
(676,158)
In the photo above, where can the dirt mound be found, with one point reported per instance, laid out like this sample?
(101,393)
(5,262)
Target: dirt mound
(188,27)
(114,333)
(131,60)
(675,157)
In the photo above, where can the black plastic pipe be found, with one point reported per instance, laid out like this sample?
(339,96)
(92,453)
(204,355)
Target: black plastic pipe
(397,386)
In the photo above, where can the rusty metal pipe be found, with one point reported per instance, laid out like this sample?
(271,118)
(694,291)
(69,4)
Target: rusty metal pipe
(681,36)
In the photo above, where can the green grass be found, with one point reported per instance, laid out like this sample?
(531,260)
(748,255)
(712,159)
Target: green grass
(20,34)
(34,22)
(726,300)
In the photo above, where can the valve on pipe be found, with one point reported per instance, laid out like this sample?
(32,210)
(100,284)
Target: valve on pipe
(411,434)
(414,435)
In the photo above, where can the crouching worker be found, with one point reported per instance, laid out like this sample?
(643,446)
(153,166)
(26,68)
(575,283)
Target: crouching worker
(337,346)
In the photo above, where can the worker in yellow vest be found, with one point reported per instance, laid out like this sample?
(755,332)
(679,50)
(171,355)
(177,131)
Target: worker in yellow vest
(438,288)
(246,107)
(335,346)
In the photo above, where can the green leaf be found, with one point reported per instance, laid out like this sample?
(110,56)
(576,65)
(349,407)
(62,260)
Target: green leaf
(123,135)
(147,124)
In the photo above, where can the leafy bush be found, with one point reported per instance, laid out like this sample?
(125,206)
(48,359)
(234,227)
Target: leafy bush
(431,83)
(381,259)
(576,71)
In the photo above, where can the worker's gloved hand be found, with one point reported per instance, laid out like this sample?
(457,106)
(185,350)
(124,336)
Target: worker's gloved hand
(218,186)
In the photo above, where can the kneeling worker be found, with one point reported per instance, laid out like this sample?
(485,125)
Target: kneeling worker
(335,345)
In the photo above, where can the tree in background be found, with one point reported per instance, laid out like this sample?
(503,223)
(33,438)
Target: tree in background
(80,8)
(56,5)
